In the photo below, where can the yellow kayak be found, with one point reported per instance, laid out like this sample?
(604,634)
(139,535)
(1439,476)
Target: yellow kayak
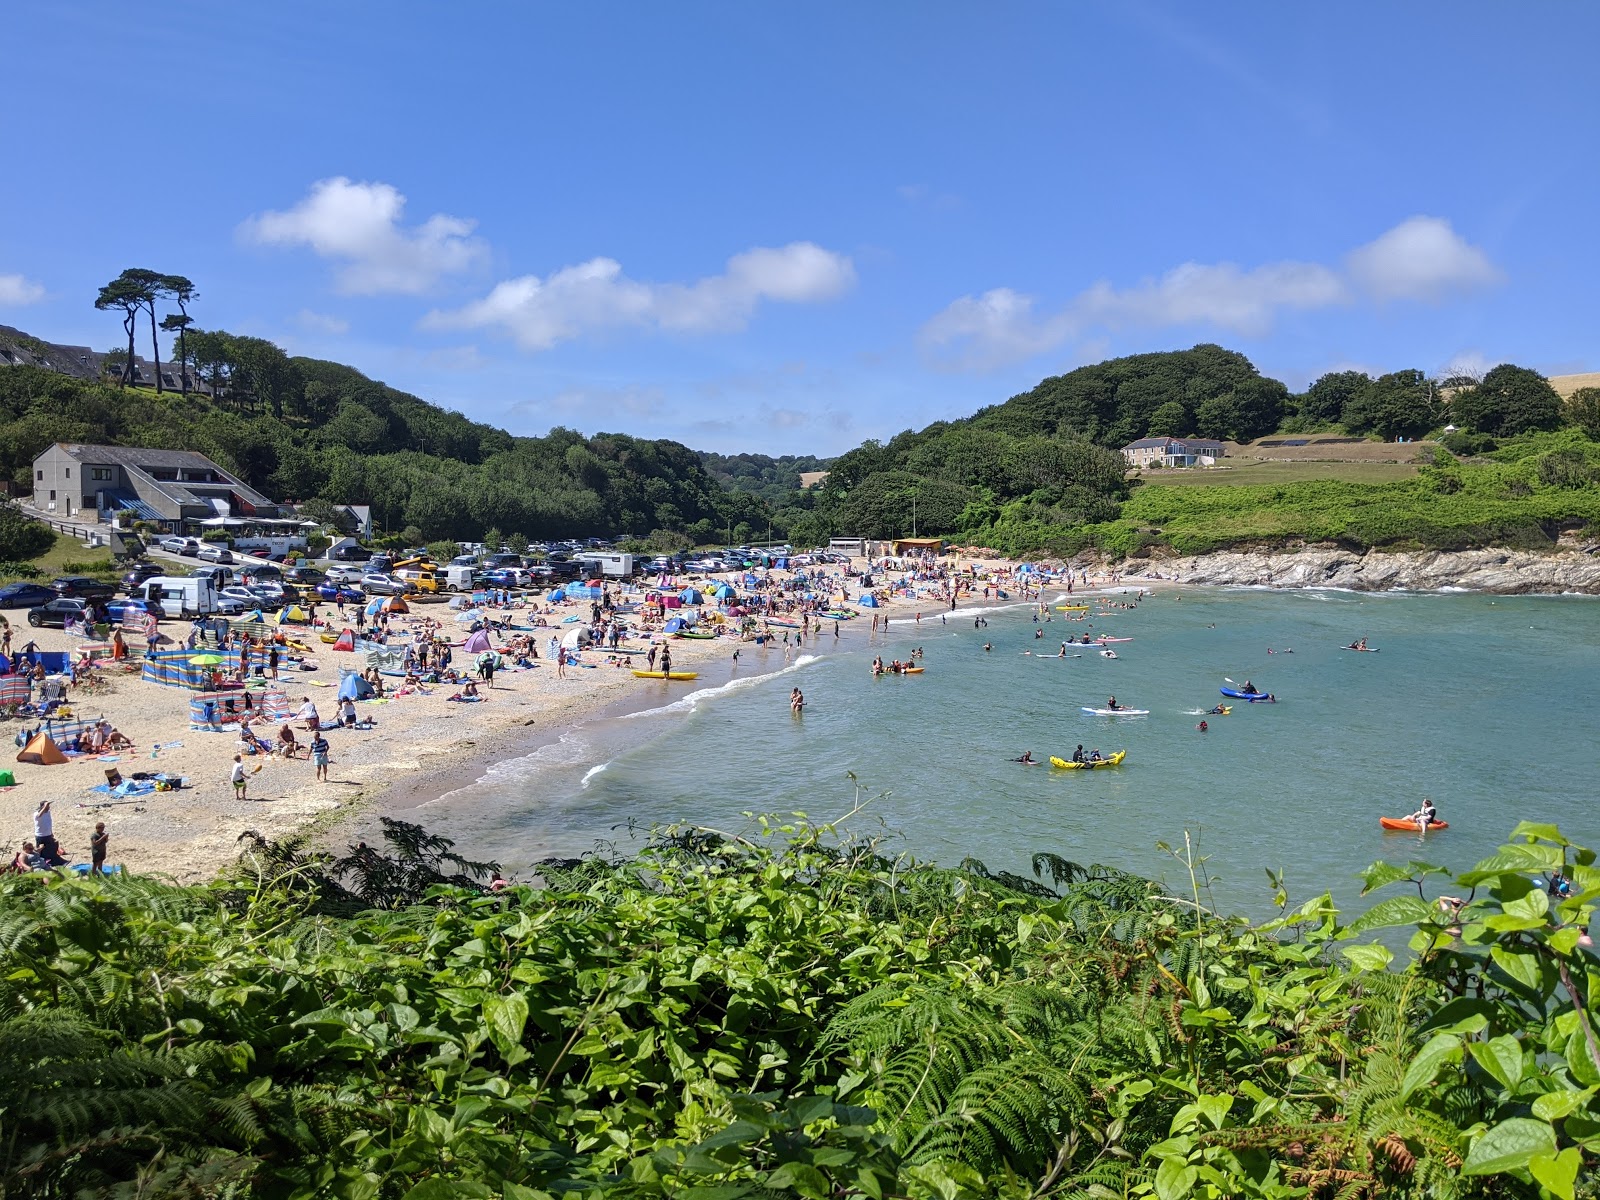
(666,675)
(1072,608)
(1114,761)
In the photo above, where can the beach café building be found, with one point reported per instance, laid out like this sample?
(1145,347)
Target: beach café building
(1173,452)
(171,488)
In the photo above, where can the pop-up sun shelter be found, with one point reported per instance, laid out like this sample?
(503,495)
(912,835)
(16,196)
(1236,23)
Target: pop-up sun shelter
(691,596)
(868,600)
(41,751)
(477,642)
(353,687)
(577,639)
(347,641)
(677,625)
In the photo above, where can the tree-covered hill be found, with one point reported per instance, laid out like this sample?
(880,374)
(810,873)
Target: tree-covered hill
(300,428)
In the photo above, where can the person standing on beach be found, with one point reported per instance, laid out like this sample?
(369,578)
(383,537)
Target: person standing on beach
(237,778)
(666,660)
(650,658)
(319,756)
(97,848)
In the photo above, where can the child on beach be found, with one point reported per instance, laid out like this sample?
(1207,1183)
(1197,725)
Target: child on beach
(237,777)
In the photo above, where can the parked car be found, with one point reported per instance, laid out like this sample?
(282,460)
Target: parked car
(505,577)
(56,613)
(306,576)
(503,558)
(385,585)
(344,575)
(339,593)
(187,547)
(117,609)
(260,571)
(349,554)
(250,597)
(25,595)
(81,587)
(216,554)
(138,573)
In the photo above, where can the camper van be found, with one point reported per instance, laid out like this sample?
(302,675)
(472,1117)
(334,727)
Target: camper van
(420,571)
(609,563)
(180,596)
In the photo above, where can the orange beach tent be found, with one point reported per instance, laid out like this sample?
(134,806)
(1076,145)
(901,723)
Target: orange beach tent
(42,751)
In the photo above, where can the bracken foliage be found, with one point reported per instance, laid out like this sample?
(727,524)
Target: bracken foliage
(791,1013)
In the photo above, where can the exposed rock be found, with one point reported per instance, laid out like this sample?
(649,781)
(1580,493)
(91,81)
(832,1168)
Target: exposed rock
(1505,572)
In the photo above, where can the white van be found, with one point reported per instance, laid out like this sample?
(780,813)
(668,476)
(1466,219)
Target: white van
(180,596)
(459,578)
(609,563)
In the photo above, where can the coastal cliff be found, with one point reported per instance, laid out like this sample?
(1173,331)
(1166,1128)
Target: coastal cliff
(1504,572)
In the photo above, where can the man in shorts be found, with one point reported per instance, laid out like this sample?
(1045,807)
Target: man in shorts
(319,756)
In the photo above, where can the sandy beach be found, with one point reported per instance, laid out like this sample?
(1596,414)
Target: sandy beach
(420,746)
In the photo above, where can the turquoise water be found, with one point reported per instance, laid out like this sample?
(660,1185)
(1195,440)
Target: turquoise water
(1483,703)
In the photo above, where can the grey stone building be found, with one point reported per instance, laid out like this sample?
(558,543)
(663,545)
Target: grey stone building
(171,487)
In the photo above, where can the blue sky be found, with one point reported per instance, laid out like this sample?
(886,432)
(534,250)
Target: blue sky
(789,228)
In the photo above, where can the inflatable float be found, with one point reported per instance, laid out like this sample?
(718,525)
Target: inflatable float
(1114,761)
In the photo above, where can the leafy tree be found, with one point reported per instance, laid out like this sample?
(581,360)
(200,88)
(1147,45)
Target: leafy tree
(1509,401)
(21,537)
(1401,404)
(1170,420)
(1583,410)
(127,292)
(182,292)
(1220,417)
(1327,398)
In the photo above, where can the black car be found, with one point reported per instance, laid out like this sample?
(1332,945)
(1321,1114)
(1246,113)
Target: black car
(25,595)
(306,576)
(81,587)
(58,612)
(138,573)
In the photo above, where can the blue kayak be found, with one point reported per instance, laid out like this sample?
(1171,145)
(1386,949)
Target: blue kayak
(1248,697)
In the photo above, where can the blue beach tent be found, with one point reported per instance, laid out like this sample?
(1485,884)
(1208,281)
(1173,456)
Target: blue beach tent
(868,600)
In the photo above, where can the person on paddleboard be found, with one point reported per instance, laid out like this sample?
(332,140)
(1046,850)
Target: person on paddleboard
(1112,704)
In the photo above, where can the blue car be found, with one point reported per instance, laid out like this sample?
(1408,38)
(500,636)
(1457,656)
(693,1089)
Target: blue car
(25,595)
(117,609)
(347,595)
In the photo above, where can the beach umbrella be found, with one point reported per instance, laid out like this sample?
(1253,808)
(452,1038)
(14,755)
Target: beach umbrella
(207,660)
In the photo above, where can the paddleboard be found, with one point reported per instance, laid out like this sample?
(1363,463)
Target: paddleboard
(1117,712)
(1362,649)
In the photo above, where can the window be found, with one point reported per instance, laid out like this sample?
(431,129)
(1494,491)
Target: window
(39,475)
(69,472)
(101,473)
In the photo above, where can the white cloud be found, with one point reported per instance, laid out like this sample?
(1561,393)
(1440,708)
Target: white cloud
(998,327)
(358,224)
(1221,294)
(596,295)
(316,322)
(18,292)
(1422,258)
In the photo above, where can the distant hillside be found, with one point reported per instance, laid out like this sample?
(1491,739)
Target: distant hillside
(1565,385)
(302,429)
(763,475)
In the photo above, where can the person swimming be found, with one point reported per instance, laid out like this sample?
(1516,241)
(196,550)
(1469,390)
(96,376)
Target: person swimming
(1202,727)
(1027,758)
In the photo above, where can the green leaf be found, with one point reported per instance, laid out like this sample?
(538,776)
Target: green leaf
(1501,1057)
(505,1016)
(1438,1050)
(1397,910)
(1509,1146)
(1215,1108)
(1579,1061)
(1520,965)
(1371,957)
(1557,1173)
(1541,831)
(1553,1106)
(436,1188)
(1382,874)
(1174,1179)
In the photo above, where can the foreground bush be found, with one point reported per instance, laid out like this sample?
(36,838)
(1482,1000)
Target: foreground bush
(791,1015)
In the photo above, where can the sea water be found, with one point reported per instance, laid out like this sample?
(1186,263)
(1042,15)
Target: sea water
(1486,704)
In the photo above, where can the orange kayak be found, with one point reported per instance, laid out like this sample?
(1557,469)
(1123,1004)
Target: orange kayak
(1408,825)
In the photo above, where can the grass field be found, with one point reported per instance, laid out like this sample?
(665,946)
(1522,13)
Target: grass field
(53,561)
(1244,471)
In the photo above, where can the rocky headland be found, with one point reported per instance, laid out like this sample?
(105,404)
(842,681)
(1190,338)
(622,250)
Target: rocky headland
(1503,572)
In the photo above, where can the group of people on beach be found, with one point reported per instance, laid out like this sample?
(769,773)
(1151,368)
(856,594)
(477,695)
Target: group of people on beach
(43,852)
